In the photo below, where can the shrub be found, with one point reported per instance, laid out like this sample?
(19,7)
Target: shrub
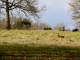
(75,30)
(47,28)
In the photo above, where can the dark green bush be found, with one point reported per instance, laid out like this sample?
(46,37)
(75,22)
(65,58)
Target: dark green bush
(47,28)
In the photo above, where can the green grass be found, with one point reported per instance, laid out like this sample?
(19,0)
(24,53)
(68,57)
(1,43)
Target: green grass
(24,52)
(39,45)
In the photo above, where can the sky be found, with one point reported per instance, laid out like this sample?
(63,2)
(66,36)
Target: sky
(57,12)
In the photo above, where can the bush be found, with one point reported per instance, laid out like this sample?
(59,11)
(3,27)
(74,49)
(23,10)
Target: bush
(22,24)
(47,28)
(62,28)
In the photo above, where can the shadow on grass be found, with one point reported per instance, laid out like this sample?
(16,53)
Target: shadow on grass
(24,52)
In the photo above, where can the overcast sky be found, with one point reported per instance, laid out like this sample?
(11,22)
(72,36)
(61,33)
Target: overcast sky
(57,12)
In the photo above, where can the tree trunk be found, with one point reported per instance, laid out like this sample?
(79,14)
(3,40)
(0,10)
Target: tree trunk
(7,16)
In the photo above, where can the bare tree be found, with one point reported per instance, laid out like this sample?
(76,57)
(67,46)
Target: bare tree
(75,9)
(77,24)
(28,7)
(75,12)
(43,25)
(39,25)
(60,26)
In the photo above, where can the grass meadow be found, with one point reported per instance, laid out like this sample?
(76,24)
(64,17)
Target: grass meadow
(39,45)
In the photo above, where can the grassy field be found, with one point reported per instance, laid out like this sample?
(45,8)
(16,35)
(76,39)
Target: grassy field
(39,45)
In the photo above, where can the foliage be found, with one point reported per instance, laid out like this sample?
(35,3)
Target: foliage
(39,25)
(75,30)
(22,24)
(47,28)
(60,26)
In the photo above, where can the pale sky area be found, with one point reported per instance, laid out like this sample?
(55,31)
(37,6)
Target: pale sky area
(57,12)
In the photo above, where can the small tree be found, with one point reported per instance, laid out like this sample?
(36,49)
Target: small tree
(26,24)
(60,26)
(22,24)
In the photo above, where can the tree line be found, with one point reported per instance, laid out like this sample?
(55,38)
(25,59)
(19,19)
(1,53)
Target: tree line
(31,10)
(26,24)
(23,23)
